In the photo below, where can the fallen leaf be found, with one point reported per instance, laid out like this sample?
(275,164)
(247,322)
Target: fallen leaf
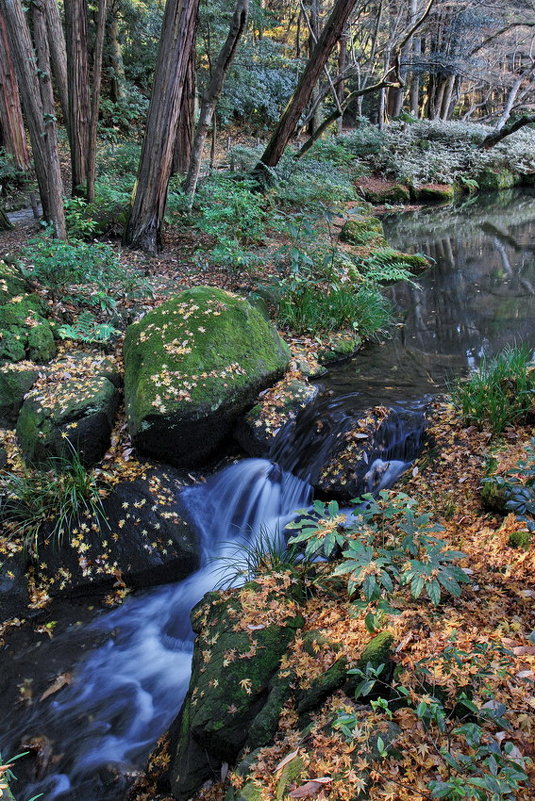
(524,650)
(57,684)
(309,789)
(287,759)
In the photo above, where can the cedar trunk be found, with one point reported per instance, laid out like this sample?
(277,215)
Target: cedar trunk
(283,132)
(58,55)
(95,99)
(225,58)
(146,217)
(42,129)
(186,122)
(13,137)
(79,104)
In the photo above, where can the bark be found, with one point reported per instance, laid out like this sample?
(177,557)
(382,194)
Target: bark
(148,207)
(41,128)
(95,99)
(511,97)
(340,89)
(79,102)
(5,225)
(213,90)
(186,122)
(11,122)
(115,57)
(330,35)
(55,184)
(58,55)
(493,138)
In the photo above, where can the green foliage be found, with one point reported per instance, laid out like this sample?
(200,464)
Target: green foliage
(386,547)
(312,182)
(10,175)
(106,214)
(86,329)
(460,729)
(124,117)
(384,266)
(59,494)
(500,393)
(80,272)
(263,554)
(517,487)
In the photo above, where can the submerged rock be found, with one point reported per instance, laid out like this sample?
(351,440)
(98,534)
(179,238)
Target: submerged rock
(192,366)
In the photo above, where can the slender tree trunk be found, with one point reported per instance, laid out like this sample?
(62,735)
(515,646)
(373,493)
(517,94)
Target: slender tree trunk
(95,99)
(340,89)
(446,99)
(39,116)
(314,28)
(79,102)
(211,96)
(148,208)
(58,55)
(11,122)
(186,122)
(5,225)
(287,123)
(511,97)
(115,56)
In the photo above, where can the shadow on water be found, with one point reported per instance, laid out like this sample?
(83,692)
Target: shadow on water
(126,691)
(477,298)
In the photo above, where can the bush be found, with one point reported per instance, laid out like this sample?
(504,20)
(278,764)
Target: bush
(500,393)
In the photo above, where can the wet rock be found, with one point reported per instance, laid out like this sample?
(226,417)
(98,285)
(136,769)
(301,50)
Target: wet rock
(192,367)
(80,411)
(15,381)
(277,407)
(234,666)
(13,586)
(138,537)
(338,347)
(373,451)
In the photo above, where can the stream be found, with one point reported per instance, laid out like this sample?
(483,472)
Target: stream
(131,666)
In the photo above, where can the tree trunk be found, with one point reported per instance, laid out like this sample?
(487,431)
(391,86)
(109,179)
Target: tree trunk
(186,121)
(58,55)
(314,32)
(148,208)
(446,100)
(213,90)
(281,136)
(493,138)
(5,225)
(115,56)
(42,128)
(11,122)
(95,99)
(79,103)
(340,89)
(511,97)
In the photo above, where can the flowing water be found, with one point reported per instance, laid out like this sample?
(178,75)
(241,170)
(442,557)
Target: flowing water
(129,688)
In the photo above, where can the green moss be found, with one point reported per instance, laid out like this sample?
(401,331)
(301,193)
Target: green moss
(192,366)
(338,346)
(12,283)
(290,774)
(435,192)
(323,686)
(377,652)
(15,382)
(359,231)
(25,331)
(492,180)
(415,261)
(41,345)
(521,539)
(396,193)
(495,494)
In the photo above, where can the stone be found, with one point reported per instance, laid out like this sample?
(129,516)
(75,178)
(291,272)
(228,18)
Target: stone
(15,381)
(233,670)
(138,536)
(12,282)
(192,367)
(14,598)
(80,411)
(493,180)
(363,231)
(278,407)
(377,652)
(338,347)
(438,193)
(24,331)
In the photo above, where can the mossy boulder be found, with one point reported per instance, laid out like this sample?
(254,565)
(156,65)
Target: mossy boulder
(363,231)
(493,180)
(15,381)
(338,347)
(381,192)
(377,652)
(24,330)
(12,282)
(278,407)
(435,193)
(79,413)
(242,639)
(192,367)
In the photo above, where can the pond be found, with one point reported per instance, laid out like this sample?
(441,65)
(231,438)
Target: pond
(478,297)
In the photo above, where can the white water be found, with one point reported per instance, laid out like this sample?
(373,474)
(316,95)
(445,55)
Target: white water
(127,692)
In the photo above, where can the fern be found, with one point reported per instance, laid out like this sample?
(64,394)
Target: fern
(87,329)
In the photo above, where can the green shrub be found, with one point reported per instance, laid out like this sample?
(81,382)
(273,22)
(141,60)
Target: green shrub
(59,495)
(106,214)
(500,393)
(86,329)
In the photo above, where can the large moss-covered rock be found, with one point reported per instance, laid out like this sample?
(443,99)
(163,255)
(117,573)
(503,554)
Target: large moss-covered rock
(81,411)
(435,193)
(493,180)
(15,381)
(192,366)
(242,639)
(24,331)
(363,230)
(12,282)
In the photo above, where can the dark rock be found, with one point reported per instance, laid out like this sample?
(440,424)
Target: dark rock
(192,367)
(138,537)
(15,381)
(277,407)
(14,597)
(81,411)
